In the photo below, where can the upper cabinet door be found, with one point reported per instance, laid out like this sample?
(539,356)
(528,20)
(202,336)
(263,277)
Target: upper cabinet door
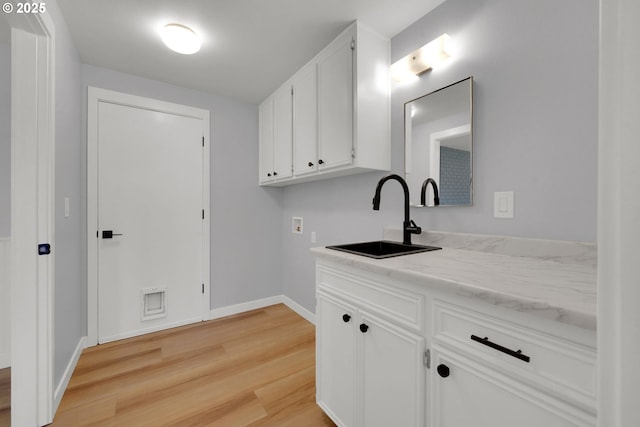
(265,125)
(335,104)
(305,121)
(282,133)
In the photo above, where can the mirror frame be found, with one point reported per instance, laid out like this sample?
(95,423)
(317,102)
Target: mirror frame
(471,128)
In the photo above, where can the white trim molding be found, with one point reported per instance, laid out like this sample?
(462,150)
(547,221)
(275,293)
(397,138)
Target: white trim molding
(66,376)
(618,213)
(5,307)
(32,217)
(261,303)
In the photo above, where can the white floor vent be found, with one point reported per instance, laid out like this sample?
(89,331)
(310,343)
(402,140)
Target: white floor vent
(154,303)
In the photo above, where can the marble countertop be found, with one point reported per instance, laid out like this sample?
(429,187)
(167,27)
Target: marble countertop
(560,291)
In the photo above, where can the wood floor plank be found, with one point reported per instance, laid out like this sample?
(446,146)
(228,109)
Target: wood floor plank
(94,412)
(252,369)
(5,397)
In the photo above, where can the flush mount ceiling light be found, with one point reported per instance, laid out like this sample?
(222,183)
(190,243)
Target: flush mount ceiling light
(180,38)
(429,56)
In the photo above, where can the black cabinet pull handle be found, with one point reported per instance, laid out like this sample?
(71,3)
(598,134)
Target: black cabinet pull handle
(346,318)
(364,328)
(517,354)
(310,164)
(443,370)
(108,234)
(321,162)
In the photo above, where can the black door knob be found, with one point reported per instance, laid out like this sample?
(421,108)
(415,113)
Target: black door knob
(364,328)
(443,370)
(321,162)
(310,164)
(346,318)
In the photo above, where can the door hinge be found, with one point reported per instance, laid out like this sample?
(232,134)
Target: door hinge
(291,90)
(203,288)
(427,358)
(353,44)
(202,213)
(203,141)
(353,153)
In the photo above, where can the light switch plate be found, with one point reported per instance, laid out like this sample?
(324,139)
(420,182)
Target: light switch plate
(503,204)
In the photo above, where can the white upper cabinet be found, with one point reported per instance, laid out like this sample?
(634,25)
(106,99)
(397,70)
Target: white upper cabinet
(335,104)
(339,113)
(305,122)
(265,129)
(275,121)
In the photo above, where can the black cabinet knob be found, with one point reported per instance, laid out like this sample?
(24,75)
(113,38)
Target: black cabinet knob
(346,318)
(275,173)
(321,162)
(443,370)
(364,328)
(310,164)
(268,174)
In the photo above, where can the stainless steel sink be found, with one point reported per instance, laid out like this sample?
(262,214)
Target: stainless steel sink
(382,249)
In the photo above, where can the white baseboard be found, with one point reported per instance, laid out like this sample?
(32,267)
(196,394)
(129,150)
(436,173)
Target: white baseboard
(265,302)
(311,318)
(245,306)
(66,377)
(149,330)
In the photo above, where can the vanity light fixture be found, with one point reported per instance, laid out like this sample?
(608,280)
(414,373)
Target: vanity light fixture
(427,57)
(180,38)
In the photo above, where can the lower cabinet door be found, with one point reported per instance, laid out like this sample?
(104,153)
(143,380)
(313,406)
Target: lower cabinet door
(335,354)
(393,374)
(466,393)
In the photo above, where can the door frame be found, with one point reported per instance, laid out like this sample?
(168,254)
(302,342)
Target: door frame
(95,96)
(32,217)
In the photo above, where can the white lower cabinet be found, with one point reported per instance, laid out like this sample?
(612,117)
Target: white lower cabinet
(467,393)
(336,348)
(391,353)
(371,371)
(393,374)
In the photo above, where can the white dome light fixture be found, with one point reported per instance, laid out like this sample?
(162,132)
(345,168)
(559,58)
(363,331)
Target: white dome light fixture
(180,38)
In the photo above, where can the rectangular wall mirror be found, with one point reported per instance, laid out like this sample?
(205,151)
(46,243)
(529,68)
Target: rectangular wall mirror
(438,144)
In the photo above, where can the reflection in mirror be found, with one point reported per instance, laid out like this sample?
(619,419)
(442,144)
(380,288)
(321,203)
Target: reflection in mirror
(438,144)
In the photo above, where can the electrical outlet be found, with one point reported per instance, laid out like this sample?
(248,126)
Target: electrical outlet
(296,225)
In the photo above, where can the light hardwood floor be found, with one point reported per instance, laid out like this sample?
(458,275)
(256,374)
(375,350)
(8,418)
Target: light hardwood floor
(252,369)
(5,397)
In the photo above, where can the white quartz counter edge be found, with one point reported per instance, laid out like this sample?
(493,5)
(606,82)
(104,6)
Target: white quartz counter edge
(562,292)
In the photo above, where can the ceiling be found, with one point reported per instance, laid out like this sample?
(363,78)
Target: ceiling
(249,47)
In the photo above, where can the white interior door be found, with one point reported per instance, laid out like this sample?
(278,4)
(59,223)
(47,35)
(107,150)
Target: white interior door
(150,224)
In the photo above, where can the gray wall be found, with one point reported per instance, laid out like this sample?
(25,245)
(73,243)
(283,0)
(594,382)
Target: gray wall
(5,139)
(70,290)
(535,122)
(245,218)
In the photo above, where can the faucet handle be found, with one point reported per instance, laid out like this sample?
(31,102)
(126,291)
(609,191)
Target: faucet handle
(414,229)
